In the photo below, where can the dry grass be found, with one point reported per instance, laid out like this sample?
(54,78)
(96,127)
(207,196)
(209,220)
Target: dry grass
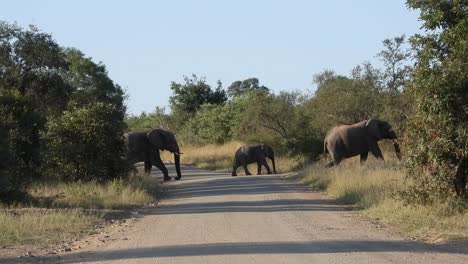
(118,194)
(60,210)
(30,226)
(373,188)
(220,157)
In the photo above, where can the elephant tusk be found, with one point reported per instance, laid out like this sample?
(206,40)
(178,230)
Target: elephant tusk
(178,153)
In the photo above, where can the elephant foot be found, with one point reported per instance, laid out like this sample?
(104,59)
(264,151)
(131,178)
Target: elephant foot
(234,174)
(259,173)
(167,178)
(248,173)
(177,178)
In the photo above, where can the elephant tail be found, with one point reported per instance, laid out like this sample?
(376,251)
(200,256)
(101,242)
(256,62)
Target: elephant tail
(325,151)
(325,147)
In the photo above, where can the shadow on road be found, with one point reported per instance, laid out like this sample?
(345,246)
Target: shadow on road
(284,205)
(332,246)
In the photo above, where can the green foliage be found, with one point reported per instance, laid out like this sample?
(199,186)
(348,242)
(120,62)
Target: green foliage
(339,99)
(32,64)
(189,96)
(215,124)
(278,120)
(91,82)
(395,99)
(86,143)
(146,121)
(38,80)
(437,135)
(19,143)
(246,86)
(395,60)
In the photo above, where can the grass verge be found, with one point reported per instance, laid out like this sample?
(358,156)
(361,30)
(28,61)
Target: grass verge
(32,226)
(60,210)
(372,188)
(117,194)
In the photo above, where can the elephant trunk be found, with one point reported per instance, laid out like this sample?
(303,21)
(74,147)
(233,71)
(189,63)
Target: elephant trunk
(397,149)
(177,165)
(273,161)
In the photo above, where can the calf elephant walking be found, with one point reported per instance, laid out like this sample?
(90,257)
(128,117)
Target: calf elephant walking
(347,141)
(250,154)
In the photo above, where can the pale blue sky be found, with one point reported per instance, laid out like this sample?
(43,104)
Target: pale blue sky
(147,44)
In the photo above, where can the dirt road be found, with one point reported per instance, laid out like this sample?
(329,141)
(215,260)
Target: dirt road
(215,218)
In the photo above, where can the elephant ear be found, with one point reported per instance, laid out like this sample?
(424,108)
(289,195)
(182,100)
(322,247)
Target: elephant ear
(374,128)
(156,138)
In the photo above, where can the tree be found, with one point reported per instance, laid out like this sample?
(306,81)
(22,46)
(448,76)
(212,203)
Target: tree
(191,95)
(146,121)
(86,143)
(395,59)
(32,64)
(340,99)
(240,87)
(19,143)
(32,88)
(437,138)
(90,81)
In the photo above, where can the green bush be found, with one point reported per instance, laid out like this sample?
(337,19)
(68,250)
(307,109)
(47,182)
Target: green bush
(437,137)
(86,143)
(19,143)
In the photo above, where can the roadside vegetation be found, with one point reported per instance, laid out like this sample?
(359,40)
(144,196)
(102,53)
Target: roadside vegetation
(54,211)
(38,226)
(377,190)
(62,121)
(61,141)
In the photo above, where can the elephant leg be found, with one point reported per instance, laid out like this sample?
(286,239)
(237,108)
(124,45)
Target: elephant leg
(160,165)
(265,163)
(148,166)
(375,150)
(336,160)
(234,168)
(259,168)
(246,170)
(364,157)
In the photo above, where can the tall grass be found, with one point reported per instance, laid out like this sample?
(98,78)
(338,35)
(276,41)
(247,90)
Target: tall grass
(221,157)
(374,188)
(59,210)
(117,194)
(44,226)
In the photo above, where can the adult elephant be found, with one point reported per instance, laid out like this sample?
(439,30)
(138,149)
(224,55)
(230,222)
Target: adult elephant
(347,141)
(145,146)
(250,154)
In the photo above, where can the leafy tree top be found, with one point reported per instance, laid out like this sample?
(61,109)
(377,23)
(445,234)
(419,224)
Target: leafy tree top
(189,96)
(240,87)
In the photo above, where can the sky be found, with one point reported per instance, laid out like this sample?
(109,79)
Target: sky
(146,45)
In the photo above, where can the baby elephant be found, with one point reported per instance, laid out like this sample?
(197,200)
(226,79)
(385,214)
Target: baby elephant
(250,154)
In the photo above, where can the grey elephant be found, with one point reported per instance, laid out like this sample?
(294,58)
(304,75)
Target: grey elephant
(347,141)
(250,154)
(145,146)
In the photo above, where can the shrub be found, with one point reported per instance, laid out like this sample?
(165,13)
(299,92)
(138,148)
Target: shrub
(19,143)
(86,143)
(437,136)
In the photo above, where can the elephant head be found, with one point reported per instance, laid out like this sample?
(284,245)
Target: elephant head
(165,140)
(383,130)
(269,153)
